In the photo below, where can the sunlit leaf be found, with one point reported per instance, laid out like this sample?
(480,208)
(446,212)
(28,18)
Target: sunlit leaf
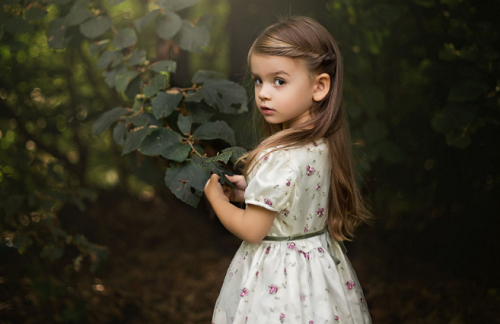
(168,24)
(125,38)
(142,22)
(165,103)
(215,130)
(108,118)
(95,27)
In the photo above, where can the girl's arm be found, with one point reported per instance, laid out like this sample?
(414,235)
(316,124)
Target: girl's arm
(250,224)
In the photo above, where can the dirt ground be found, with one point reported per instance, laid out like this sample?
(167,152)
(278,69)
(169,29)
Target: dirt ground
(167,263)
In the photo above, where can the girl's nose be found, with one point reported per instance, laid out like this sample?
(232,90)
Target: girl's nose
(264,93)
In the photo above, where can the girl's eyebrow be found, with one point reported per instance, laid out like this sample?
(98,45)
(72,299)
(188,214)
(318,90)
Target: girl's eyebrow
(273,73)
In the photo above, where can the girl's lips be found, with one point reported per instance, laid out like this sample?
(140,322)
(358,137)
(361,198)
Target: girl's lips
(267,111)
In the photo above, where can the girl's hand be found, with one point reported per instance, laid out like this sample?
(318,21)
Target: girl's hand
(213,189)
(236,194)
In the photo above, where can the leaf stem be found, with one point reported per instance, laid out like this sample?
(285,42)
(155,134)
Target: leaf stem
(192,147)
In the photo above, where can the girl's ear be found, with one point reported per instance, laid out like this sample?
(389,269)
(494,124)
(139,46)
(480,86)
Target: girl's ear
(321,86)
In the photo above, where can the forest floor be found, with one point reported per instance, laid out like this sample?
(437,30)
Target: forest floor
(167,262)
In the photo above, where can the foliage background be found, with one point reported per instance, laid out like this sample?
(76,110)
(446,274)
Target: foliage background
(90,236)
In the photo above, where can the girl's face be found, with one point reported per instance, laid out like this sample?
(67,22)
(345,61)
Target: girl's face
(284,89)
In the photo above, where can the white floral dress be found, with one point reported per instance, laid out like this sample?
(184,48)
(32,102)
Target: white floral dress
(303,281)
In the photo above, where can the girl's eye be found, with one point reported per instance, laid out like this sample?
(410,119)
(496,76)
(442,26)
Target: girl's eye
(258,81)
(279,82)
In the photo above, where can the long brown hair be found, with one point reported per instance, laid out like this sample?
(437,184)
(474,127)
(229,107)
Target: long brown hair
(305,39)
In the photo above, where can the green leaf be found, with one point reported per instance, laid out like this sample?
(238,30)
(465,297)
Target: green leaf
(211,164)
(165,103)
(137,57)
(176,5)
(17,25)
(56,33)
(76,16)
(134,138)
(142,22)
(107,58)
(158,140)
(133,88)
(214,130)
(181,179)
(164,66)
(122,80)
(236,153)
(200,115)
(35,13)
(108,118)
(168,24)
(125,38)
(98,47)
(227,96)
(204,75)
(109,76)
(119,133)
(177,152)
(193,37)
(52,251)
(95,27)
(184,123)
(156,84)
(374,131)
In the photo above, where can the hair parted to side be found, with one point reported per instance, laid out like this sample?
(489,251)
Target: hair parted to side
(305,39)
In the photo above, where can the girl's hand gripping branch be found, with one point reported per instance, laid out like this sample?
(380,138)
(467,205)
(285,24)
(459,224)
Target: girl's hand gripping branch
(250,224)
(236,194)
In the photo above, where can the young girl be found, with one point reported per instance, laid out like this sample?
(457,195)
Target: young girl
(301,199)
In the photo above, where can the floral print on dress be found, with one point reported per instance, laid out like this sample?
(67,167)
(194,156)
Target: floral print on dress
(350,284)
(320,211)
(244,292)
(310,170)
(273,289)
(268,202)
(291,246)
(282,317)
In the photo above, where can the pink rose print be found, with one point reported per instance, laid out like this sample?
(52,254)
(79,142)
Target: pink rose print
(315,144)
(267,249)
(268,202)
(244,292)
(306,255)
(287,183)
(266,157)
(320,211)
(317,187)
(321,250)
(273,289)
(361,299)
(310,170)
(336,318)
(257,274)
(311,322)
(282,317)
(302,297)
(285,271)
(244,258)
(291,246)
(350,284)
(230,274)
(286,213)
(306,230)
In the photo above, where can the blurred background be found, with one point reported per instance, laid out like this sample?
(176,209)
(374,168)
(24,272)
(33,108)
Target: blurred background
(90,236)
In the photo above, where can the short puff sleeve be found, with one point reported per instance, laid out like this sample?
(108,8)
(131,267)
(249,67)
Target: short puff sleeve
(271,184)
